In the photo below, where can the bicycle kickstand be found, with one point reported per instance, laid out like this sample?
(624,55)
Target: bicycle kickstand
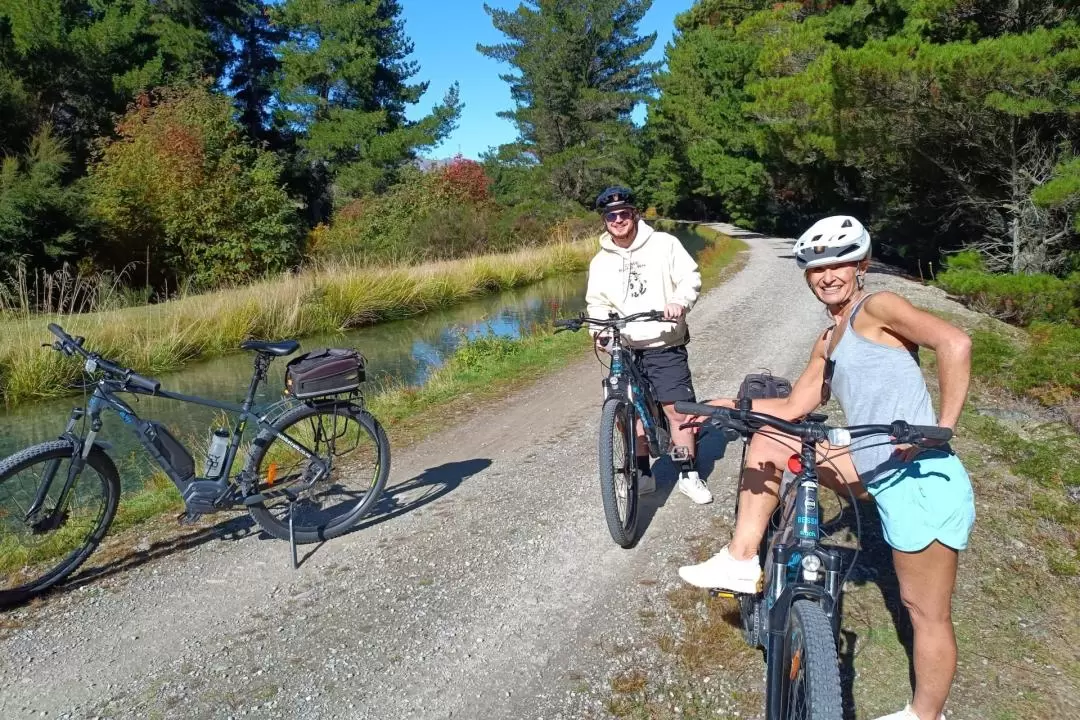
(292,535)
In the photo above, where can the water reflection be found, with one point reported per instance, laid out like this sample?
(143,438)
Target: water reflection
(406,352)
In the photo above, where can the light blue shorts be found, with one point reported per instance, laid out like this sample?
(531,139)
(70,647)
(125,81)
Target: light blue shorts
(924,500)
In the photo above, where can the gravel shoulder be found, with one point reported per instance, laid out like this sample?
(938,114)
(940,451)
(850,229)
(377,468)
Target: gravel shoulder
(485,586)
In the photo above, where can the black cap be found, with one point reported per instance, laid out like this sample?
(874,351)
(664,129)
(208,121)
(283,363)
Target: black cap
(614,198)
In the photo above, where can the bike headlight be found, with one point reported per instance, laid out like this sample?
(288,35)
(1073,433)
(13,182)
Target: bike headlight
(811,563)
(839,437)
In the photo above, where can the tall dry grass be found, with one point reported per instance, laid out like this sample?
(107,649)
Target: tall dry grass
(163,337)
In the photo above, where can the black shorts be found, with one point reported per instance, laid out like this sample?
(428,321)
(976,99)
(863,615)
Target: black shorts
(668,370)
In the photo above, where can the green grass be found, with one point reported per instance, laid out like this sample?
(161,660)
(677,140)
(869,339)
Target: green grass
(160,338)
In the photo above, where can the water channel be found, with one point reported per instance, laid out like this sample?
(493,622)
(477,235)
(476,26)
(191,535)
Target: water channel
(403,352)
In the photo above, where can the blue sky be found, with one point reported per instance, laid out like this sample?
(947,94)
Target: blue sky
(445,33)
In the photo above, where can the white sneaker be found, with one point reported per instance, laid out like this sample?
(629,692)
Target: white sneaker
(723,572)
(906,714)
(646,484)
(691,486)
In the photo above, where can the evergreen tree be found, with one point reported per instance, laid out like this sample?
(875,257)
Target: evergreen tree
(343,90)
(578,72)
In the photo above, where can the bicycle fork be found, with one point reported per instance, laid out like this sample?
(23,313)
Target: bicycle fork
(80,451)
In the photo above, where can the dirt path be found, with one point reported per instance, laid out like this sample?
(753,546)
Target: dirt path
(486,586)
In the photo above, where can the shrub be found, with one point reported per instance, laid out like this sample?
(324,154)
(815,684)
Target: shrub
(181,185)
(1019,299)
(1046,368)
(40,217)
(443,213)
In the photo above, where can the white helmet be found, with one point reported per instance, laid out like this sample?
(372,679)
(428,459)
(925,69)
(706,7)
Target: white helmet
(832,241)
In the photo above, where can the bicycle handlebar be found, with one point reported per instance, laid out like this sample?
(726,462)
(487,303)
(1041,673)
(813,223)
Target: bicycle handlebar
(131,379)
(577,323)
(747,422)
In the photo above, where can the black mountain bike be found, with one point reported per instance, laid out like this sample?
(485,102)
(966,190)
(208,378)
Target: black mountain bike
(628,396)
(58,498)
(795,616)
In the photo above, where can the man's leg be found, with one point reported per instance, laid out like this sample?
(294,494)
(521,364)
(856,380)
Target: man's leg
(668,371)
(646,481)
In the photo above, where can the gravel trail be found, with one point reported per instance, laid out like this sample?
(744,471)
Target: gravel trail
(486,586)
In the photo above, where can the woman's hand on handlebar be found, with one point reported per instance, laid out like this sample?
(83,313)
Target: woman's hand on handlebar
(907,452)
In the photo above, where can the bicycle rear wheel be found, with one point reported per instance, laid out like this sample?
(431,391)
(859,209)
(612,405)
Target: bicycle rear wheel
(345,437)
(811,671)
(618,470)
(40,550)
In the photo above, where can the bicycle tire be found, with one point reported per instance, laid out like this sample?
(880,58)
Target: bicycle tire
(109,479)
(622,526)
(278,525)
(811,669)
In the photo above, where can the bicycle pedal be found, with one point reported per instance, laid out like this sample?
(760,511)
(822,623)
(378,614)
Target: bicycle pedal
(680,453)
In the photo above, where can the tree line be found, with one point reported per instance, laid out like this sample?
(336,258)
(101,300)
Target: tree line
(219,140)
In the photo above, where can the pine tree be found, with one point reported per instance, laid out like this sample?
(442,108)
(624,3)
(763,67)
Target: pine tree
(578,72)
(343,90)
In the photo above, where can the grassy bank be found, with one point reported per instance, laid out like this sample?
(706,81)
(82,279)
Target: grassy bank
(161,338)
(482,369)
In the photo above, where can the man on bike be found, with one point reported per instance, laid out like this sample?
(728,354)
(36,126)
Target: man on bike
(639,269)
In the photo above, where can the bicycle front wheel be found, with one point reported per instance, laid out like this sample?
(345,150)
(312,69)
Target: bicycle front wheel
(810,665)
(39,549)
(618,470)
(354,448)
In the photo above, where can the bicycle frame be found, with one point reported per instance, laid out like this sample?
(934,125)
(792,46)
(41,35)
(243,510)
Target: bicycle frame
(201,496)
(625,380)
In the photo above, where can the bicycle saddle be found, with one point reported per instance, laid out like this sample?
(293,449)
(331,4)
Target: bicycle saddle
(279,348)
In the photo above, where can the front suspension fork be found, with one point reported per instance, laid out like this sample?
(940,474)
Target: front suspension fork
(80,451)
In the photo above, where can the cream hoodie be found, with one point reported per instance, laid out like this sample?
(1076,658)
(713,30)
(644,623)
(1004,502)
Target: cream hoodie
(654,271)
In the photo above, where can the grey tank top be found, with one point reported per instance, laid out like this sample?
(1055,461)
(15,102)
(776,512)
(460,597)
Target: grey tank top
(874,384)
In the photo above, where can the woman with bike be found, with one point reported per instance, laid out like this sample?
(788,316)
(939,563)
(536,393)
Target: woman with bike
(869,358)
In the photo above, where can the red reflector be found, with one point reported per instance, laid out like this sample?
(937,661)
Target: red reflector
(794,464)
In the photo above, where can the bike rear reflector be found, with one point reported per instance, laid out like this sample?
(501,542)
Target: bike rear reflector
(794,464)
(271,474)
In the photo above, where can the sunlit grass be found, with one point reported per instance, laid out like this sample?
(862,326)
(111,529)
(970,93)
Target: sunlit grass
(164,337)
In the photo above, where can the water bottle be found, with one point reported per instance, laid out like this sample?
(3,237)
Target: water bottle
(215,455)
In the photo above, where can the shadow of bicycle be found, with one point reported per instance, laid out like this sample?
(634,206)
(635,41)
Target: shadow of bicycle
(397,500)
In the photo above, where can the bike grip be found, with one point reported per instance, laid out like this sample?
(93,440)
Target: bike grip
(57,331)
(693,408)
(144,383)
(933,432)
(565,323)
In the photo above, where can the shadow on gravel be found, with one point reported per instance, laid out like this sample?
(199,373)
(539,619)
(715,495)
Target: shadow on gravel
(666,475)
(413,494)
(711,447)
(418,491)
(874,565)
(397,500)
(235,528)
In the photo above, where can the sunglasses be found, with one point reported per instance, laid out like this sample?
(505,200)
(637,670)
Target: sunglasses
(826,380)
(618,215)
